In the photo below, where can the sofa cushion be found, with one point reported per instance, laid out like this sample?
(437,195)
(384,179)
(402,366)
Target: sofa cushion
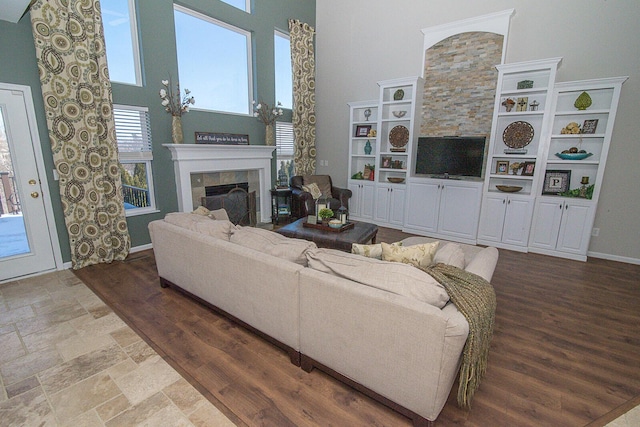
(370,251)
(273,244)
(400,279)
(322,181)
(203,224)
(451,254)
(484,263)
(416,255)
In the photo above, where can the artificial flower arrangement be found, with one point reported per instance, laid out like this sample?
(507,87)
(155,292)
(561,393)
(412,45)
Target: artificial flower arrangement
(171,100)
(265,113)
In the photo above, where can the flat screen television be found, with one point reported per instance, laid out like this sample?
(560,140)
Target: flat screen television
(450,156)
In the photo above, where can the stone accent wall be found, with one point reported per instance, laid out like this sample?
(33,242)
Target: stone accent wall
(460,84)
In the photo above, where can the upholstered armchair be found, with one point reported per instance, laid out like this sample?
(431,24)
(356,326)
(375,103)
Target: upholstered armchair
(303,203)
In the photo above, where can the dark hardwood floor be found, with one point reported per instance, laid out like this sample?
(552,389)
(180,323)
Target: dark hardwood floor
(565,352)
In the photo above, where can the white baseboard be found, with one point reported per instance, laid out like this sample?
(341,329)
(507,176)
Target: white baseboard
(140,248)
(618,258)
(67,265)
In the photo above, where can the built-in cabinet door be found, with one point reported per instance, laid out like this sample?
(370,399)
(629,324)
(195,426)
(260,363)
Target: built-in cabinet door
(355,203)
(517,221)
(546,224)
(367,201)
(494,208)
(383,200)
(459,210)
(362,198)
(423,205)
(396,209)
(575,227)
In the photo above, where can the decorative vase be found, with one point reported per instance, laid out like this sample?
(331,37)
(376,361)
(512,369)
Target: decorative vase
(176,129)
(367,147)
(269,136)
(583,102)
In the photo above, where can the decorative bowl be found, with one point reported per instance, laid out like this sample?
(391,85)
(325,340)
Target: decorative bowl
(335,223)
(573,156)
(399,114)
(509,188)
(395,180)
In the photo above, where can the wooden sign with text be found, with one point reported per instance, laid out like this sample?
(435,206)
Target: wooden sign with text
(221,138)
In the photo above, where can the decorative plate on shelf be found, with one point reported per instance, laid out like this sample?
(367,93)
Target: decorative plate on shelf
(573,156)
(399,137)
(518,134)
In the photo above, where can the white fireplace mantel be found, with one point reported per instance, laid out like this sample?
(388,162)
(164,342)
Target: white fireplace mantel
(207,158)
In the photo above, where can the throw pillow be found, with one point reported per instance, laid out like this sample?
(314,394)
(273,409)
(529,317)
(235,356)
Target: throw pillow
(451,254)
(201,210)
(313,189)
(370,251)
(322,181)
(201,224)
(416,255)
(400,279)
(273,244)
(219,214)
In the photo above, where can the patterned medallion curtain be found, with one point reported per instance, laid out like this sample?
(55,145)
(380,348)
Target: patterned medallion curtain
(304,96)
(72,63)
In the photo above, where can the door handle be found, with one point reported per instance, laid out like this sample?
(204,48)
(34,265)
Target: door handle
(35,194)
(32,182)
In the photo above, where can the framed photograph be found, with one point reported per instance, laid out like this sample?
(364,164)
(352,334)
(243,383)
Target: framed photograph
(522,104)
(502,167)
(386,162)
(589,126)
(362,130)
(528,168)
(556,181)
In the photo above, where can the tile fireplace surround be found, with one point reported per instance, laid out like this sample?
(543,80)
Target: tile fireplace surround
(208,158)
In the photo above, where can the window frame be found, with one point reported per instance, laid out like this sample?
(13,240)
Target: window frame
(247,5)
(279,147)
(135,42)
(143,156)
(287,36)
(249,57)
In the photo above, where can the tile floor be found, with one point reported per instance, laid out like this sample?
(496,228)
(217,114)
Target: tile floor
(66,359)
(630,419)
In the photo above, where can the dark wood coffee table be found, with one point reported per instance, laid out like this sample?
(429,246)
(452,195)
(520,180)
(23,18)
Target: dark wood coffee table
(362,232)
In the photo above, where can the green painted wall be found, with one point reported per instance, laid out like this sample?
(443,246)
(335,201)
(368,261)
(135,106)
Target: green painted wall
(157,38)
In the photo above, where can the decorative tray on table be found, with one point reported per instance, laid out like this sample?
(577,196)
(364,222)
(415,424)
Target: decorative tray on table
(344,227)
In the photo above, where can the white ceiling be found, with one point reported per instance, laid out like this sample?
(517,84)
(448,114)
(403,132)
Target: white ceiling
(12,10)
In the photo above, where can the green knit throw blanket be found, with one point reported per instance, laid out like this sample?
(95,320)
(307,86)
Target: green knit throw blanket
(476,300)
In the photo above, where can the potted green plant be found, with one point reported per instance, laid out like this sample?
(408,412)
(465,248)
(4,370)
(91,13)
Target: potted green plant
(325,214)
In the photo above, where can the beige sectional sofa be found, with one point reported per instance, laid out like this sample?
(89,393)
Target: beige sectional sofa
(383,327)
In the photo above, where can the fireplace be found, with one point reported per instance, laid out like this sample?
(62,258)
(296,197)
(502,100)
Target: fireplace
(236,199)
(194,160)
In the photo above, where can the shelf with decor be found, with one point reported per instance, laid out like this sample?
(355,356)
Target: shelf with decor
(521,125)
(363,126)
(399,103)
(573,165)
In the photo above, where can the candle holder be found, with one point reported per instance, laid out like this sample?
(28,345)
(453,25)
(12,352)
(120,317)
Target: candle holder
(583,189)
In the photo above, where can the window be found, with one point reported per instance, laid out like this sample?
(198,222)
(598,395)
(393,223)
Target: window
(214,62)
(284,75)
(240,4)
(121,38)
(134,147)
(285,147)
